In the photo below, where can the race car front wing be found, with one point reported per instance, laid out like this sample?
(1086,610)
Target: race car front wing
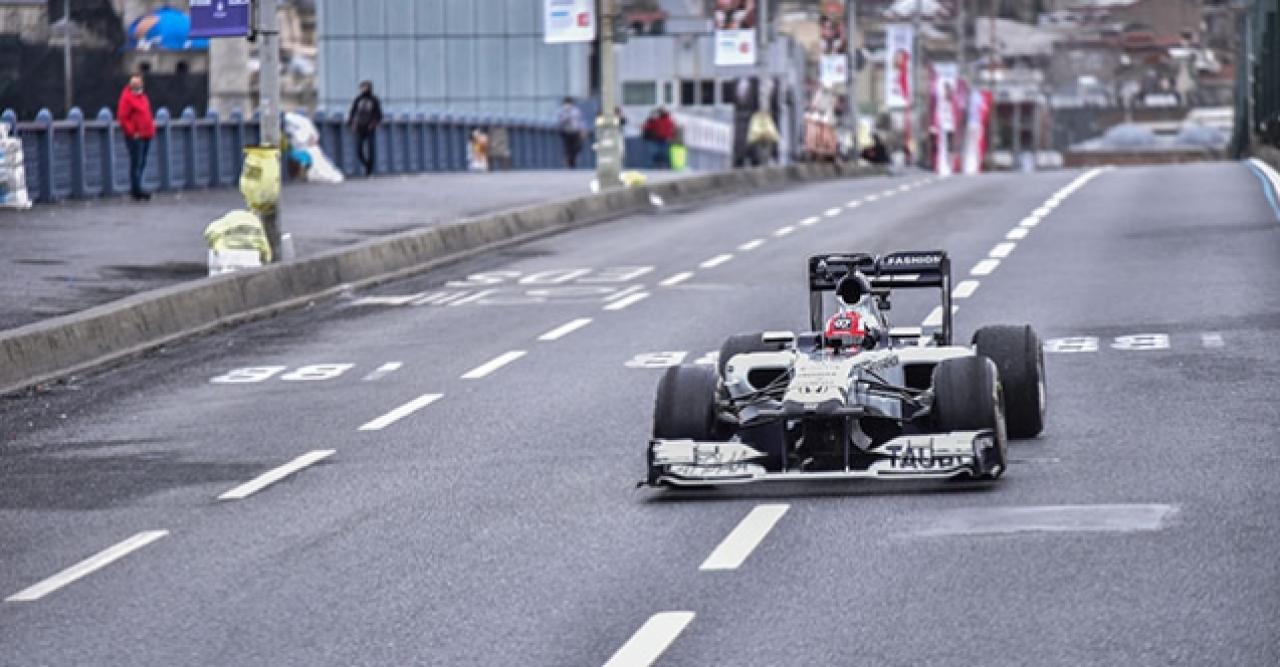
(931,456)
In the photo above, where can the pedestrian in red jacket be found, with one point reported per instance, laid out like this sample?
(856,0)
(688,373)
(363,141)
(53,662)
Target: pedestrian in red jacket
(134,114)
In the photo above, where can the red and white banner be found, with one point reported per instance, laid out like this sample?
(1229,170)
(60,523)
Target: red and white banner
(975,141)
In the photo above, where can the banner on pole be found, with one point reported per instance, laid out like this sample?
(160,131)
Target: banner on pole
(975,141)
(899,38)
(219,18)
(834,64)
(568,21)
(735,32)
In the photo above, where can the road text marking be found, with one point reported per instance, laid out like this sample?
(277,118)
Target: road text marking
(401,412)
(272,476)
(651,640)
(748,534)
(87,566)
(1212,339)
(382,371)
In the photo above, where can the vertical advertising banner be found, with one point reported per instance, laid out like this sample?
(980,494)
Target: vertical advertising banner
(735,32)
(834,62)
(897,66)
(219,18)
(975,141)
(946,79)
(569,21)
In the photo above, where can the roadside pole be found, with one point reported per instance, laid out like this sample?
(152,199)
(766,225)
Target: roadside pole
(851,45)
(762,24)
(917,109)
(608,133)
(67,81)
(268,35)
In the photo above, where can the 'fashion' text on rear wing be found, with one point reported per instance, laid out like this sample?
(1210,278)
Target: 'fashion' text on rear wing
(895,270)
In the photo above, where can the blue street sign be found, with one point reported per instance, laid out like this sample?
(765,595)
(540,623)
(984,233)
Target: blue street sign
(219,18)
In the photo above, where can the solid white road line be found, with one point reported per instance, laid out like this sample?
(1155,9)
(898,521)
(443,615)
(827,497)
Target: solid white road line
(751,245)
(832,212)
(1017,233)
(1002,250)
(935,316)
(716,261)
(744,538)
(87,566)
(272,476)
(783,231)
(488,367)
(382,371)
(565,329)
(623,303)
(810,221)
(1043,211)
(965,289)
(985,267)
(401,412)
(651,640)
(1212,339)
(474,297)
(677,279)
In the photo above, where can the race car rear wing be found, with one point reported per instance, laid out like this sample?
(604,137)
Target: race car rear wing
(895,270)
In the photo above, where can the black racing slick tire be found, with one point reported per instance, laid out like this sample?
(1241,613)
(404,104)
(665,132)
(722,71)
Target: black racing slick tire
(967,397)
(686,404)
(743,344)
(1019,356)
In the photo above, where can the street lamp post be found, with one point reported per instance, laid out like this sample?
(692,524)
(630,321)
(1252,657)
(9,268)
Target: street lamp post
(268,34)
(851,45)
(608,132)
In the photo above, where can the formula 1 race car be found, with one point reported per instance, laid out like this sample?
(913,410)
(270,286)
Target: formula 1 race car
(852,398)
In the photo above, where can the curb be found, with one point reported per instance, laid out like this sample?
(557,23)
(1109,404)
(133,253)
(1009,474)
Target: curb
(45,351)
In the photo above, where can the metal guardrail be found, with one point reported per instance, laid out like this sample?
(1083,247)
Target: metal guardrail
(81,158)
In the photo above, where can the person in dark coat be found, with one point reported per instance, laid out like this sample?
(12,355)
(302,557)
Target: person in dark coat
(365,116)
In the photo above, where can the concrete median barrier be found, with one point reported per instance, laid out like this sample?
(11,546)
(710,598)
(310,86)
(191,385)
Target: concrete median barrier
(45,351)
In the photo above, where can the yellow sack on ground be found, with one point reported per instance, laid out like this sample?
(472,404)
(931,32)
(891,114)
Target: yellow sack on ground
(679,157)
(631,178)
(238,230)
(260,177)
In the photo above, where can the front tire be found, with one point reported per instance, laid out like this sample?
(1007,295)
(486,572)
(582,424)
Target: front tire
(967,397)
(1018,354)
(685,408)
(743,344)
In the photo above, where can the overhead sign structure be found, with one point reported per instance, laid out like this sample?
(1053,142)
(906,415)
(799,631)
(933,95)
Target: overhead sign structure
(735,32)
(219,18)
(569,21)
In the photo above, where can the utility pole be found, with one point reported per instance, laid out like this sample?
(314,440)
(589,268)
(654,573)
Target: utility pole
(268,35)
(851,43)
(917,109)
(993,142)
(67,83)
(608,134)
(762,24)
(962,43)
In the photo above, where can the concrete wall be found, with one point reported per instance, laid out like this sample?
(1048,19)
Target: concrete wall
(462,56)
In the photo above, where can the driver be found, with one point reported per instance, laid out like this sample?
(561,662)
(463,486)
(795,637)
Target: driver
(857,324)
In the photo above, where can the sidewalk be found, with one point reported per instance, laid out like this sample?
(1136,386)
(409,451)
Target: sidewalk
(65,258)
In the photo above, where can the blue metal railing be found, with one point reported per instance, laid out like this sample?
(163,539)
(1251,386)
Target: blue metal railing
(81,158)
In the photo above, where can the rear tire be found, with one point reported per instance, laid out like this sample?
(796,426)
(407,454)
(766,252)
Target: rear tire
(967,397)
(1018,354)
(743,344)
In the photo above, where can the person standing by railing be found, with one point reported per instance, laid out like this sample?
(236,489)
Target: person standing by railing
(134,114)
(571,131)
(365,116)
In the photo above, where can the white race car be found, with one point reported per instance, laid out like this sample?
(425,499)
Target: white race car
(852,398)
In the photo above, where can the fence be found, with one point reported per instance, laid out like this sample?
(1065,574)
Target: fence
(80,158)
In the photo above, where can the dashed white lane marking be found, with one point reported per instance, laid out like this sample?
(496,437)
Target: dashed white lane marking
(677,279)
(488,367)
(1212,339)
(1017,233)
(832,212)
(623,303)
(87,566)
(624,292)
(871,198)
(935,316)
(888,193)
(783,231)
(965,289)
(1030,221)
(382,371)
(854,204)
(810,221)
(651,640)
(985,267)
(748,534)
(401,412)
(1002,250)
(904,187)
(474,297)
(272,476)
(716,261)
(751,245)
(566,328)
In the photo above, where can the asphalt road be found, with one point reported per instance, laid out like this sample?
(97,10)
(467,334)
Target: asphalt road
(471,445)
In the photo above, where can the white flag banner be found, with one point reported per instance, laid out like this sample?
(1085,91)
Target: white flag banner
(897,70)
(569,21)
(834,69)
(735,47)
